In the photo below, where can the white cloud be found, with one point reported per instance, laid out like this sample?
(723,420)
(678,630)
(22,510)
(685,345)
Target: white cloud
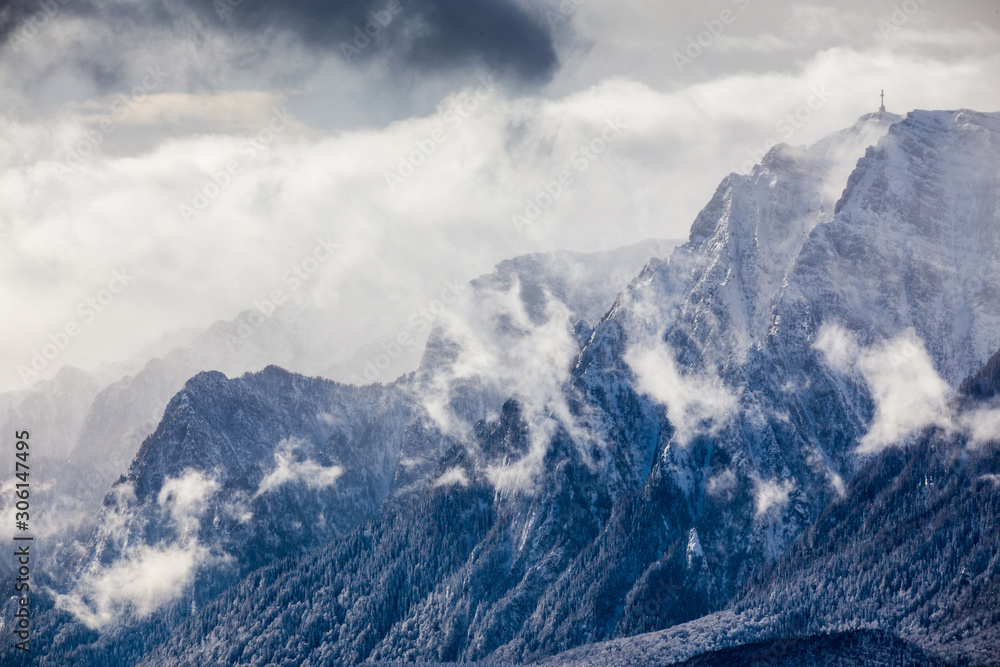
(839,347)
(772,495)
(138,585)
(766,43)
(239,508)
(520,474)
(722,485)
(144,577)
(983,425)
(501,353)
(909,394)
(451,477)
(186,497)
(456,208)
(287,470)
(691,399)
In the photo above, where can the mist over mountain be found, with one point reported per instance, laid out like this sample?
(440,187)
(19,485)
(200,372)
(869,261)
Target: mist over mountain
(778,439)
(93,423)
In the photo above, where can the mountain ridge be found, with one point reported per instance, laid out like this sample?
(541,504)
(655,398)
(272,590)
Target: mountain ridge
(643,473)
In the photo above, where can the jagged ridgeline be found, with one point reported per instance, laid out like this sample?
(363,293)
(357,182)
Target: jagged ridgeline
(713,465)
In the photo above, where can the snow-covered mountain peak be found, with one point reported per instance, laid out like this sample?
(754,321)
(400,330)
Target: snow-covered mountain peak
(721,337)
(916,241)
(743,244)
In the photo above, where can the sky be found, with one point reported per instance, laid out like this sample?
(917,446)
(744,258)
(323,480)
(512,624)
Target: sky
(166,165)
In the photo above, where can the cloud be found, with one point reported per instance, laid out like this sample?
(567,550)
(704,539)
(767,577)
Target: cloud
(144,577)
(983,425)
(438,34)
(765,43)
(138,585)
(839,347)
(692,400)
(451,477)
(456,207)
(13,14)
(771,495)
(239,508)
(186,498)
(502,36)
(461,231)
(909,394)
(66,232)
(500,351)
(288,470)
(722,485)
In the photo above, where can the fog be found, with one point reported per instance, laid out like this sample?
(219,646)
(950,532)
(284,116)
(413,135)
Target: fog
(166,166)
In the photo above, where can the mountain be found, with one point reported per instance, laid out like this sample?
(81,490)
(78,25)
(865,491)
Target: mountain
(908,549)
(985,384)
(835,649)
(586,283)
(560,484)
(146,524)
(838,650)
(93,423)
(216,492)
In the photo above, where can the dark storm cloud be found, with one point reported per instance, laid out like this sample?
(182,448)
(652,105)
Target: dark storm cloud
(16,14)
(422,34)
(439,34)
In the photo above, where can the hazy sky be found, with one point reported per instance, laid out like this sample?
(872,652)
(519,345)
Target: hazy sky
(176,162)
